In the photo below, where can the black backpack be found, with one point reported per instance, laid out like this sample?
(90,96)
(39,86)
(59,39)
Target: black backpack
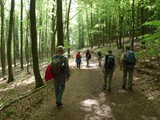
(99,54)
(88,55)
(110,62)
(57,65)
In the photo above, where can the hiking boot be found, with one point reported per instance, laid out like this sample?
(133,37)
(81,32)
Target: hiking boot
(123,87)
(59,104)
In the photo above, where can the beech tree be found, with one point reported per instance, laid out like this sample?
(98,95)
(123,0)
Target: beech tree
(9,55)
(33,30)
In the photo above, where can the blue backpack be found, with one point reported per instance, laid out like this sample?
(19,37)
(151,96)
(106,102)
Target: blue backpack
(130,58)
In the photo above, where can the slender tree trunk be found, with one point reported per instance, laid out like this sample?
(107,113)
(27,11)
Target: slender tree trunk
(33,30)
(68,41)
(9,56)
(3,56)
(133,23)
(14,40)
(87,21)
(22,35)
(91,34)
(53,34)
(46,35)
(27,48)
(59,23)
(109,36)
(142,22)
(120,31)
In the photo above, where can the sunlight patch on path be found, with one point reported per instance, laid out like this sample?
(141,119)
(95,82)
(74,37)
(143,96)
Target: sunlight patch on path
(148,118)
(97,109)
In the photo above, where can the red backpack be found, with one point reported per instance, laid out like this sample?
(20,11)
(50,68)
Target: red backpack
(78,56)
(48,73)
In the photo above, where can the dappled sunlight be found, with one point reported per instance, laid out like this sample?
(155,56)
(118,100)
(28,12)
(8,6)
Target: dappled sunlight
(18,84)
(45,65)
(97,109)
(144,117)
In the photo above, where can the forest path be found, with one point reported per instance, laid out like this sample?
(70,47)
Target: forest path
(84,98)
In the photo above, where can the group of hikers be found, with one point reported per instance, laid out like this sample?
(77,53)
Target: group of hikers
(78,58)
(61,72)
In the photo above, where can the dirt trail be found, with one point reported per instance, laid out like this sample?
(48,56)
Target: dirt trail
(84,99)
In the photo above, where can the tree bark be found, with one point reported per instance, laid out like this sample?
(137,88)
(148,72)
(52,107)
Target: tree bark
(3,56)
(33,30)
(22,35)
(68,41)
(59,24)
(9,56)
(133,23)
(53,34)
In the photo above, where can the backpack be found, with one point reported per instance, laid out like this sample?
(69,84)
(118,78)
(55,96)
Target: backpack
(57,65)
(89,55)
(130,58)
(110,62)
(78,56)
(99,54)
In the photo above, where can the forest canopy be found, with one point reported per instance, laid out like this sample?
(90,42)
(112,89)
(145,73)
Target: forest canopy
(74,24)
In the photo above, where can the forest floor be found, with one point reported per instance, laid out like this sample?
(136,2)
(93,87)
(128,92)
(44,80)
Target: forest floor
(84,97)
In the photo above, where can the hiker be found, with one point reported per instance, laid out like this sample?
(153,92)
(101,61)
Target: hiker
(108,69)
(99,56)
(61,73)
(88,57)
(78,60)
(127,62)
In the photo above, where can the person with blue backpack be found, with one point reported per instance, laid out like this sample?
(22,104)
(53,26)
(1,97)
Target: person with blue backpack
(109,65)
(128,61)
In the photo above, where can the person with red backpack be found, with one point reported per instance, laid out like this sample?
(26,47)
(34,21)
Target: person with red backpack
(108,69)
(78,60)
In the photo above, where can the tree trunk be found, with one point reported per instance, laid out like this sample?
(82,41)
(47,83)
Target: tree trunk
(9,56)
(68,41)
(91,34)
(59,23)
(14,40)
(142,21)
(53,34)
(22,35)
(27,48)
(133,23)
(120,31)
(33,30)
(3,56)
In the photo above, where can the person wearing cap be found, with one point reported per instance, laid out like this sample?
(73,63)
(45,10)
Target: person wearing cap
(59,80)
(109,65)
(128,69)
